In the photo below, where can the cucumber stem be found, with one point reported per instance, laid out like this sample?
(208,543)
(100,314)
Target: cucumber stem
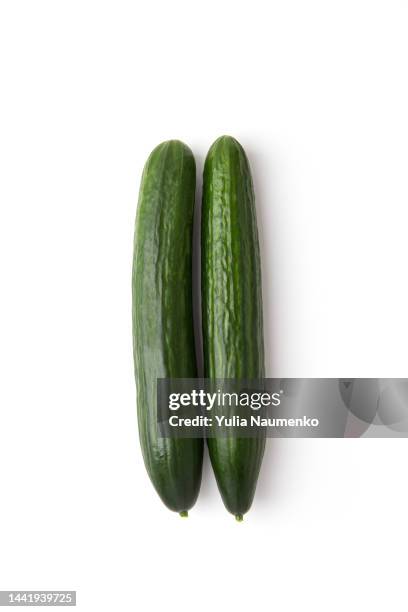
(239,518)
(183,514)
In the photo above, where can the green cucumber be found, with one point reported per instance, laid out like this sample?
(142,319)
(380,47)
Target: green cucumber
(163,336)
(232,307)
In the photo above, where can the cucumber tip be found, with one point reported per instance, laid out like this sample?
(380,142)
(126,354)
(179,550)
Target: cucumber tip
(183,514)
(239,518)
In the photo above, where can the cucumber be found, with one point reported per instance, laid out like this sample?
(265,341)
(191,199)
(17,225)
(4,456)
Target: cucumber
(232,307)
(163,337)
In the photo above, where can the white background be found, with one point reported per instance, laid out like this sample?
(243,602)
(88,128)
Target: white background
(317,93)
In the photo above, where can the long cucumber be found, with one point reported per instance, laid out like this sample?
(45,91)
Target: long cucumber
(163,337)
(232,307)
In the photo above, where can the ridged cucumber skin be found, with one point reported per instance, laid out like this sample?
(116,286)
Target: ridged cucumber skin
(162,314)
(232,307)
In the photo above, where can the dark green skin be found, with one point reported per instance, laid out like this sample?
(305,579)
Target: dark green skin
(163,337)
(232,307)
